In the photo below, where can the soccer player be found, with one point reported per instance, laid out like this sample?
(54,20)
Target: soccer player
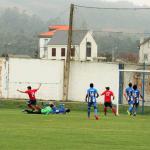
(46,110)
(129,97)
(90,98)
(59,110)
(49,109)
(136,98)
(32,104)
(107,100)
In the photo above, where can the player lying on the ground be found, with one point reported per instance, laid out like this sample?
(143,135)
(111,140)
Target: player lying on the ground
(50,109)
(32,103)
(107,100)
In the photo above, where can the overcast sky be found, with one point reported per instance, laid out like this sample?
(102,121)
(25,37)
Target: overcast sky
(137,2)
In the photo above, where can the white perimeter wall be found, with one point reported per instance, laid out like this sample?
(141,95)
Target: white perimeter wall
(101,74)
(25,72)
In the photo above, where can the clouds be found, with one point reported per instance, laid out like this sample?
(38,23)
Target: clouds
(137,2)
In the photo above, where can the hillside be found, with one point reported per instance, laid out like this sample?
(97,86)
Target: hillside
(21,22)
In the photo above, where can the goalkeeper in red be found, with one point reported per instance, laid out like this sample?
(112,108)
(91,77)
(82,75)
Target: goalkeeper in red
(107,100)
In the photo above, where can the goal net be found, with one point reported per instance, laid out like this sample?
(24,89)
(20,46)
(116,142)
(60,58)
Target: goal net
(139,77)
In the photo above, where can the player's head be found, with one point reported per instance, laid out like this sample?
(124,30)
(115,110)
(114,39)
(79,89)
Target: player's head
(107,88)
(51,105)
(91,85)
(135,87)
(29,88)
(130,84)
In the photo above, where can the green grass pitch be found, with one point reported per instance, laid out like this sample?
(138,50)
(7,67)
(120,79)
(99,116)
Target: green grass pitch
(19,131)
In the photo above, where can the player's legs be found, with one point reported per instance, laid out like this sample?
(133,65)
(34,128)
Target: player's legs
(32,112)
(105,108)
(89,108)
(30,105)
(34,104)
(37,107)
(135,108)
(112,108)
(95,110)
(130,109)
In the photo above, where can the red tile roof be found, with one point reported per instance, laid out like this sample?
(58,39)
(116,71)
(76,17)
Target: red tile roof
(53,29)
(59,27)
(47,34)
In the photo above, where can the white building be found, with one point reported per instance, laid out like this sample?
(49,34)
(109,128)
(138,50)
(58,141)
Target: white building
(144,52)
(84,46)
(45,37)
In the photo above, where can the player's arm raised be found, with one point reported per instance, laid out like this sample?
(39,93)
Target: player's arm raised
(21,91)
(39,86)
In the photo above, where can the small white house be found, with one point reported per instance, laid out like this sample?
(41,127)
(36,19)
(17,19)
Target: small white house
(45,37)
(84,46)
(144,52)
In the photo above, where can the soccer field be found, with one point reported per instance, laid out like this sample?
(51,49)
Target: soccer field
(19,131)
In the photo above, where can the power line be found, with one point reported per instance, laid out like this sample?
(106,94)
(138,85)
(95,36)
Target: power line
(122,32)
(114,8)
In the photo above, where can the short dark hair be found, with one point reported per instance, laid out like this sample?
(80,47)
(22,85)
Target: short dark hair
(51,105)
(107,88)
(91,85)
(29,87)
(134,86)
(130,84)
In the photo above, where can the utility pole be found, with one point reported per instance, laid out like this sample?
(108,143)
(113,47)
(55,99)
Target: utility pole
(143,87)
(67,61)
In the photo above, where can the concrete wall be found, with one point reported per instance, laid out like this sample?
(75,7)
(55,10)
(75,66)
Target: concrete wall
(20,73)
(101,74)
(25,72)
(1,75)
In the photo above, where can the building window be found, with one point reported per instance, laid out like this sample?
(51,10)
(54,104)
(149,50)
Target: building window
(53,52)
(45,42)
(145,57)
(62,52)
(72,52)
(149,44)
(45,51)
(88,49)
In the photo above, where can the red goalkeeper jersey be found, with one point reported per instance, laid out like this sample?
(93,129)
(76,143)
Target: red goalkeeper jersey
(107,95)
